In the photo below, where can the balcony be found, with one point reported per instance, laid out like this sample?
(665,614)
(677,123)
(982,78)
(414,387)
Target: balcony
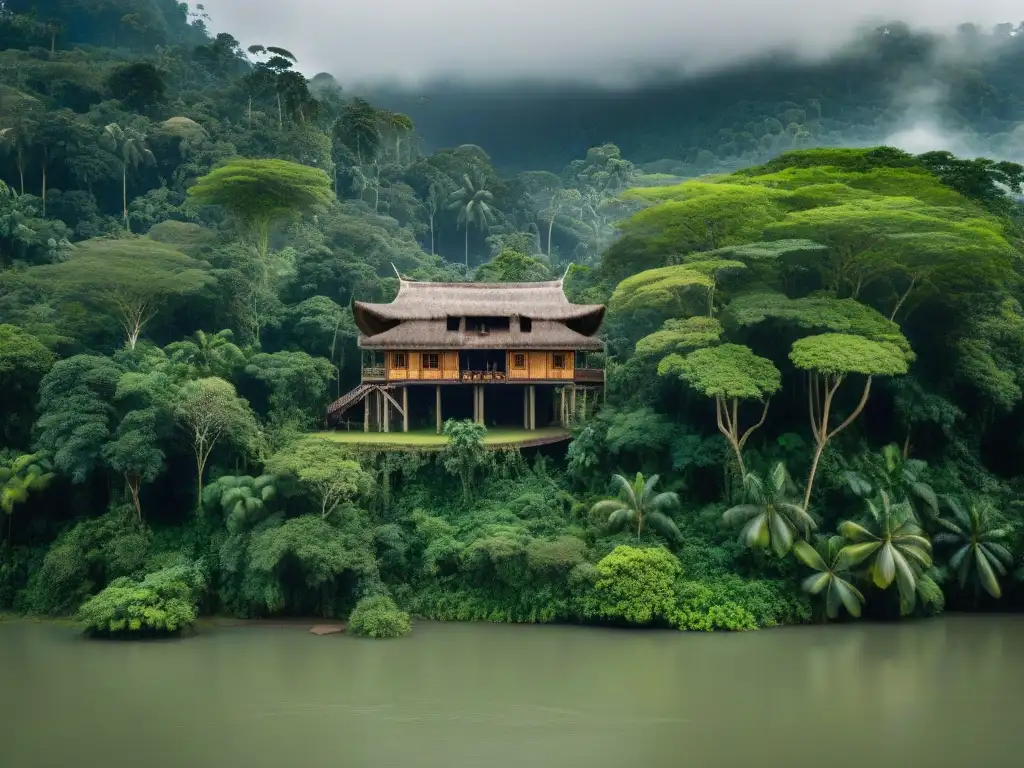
(374,373)
(589,375)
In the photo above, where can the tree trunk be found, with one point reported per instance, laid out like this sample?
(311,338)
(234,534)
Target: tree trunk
(431,234)
(124,196)
(21,173)
(132,481)
(44,190)
(280,113)
(467,245)
(551,226)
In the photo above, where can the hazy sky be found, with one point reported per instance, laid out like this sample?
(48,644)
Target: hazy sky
(411,40)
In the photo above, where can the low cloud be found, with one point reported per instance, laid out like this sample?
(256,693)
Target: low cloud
(589,41)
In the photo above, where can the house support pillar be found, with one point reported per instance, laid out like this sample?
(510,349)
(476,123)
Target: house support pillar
(366,411)
(405,409)
(476,403)
(437,407)
(562,416)
(572,404)
(483,389)
(533,407)
(526,408)
(386,408)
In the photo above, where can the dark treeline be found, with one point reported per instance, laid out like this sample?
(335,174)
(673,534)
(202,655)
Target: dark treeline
(814,362)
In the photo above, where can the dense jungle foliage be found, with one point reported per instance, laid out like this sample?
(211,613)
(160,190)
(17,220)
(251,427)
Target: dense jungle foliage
(815,363)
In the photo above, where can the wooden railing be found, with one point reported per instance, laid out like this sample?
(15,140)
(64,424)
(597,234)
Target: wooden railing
(482,376)
(589,375)
(373,373)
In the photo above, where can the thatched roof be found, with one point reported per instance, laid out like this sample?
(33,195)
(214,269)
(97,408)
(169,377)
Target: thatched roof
(434,334)
(437,301)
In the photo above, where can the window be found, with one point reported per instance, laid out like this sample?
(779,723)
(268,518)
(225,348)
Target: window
(558,360)
(453,322)
(525,324)
(518,360)
(399,360)
(431,360)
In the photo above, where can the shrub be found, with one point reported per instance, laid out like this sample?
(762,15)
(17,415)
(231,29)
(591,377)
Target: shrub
(163,602)
(634,585)
(379,616)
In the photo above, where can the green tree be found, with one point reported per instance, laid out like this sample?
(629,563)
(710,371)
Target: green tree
(771,517)
(892,545)
(325,469)
(474,203)
(976,534)
(261,193)
(207,354)
(358,129)
(24,360)
(832,578)
(728,373)
(512,267)
(135,453)
(75,413)
(20,476)
(132,279)
(830,358)
(637,504)
(129,146)
(464,452)
(210,412)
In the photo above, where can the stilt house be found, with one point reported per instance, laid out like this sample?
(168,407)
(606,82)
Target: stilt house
(503,354)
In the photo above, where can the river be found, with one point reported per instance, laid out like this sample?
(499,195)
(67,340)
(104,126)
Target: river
(945,692)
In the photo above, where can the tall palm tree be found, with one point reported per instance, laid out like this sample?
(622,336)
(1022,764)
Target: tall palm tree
(894,547)
(473,202)
(638,504)
(832,578)
(16,140)
(130,147)
(772,516)
(976,534)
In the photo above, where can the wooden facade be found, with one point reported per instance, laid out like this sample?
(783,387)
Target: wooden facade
(472,335)
(443,366)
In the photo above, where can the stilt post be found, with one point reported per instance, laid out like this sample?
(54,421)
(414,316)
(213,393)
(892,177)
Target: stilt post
(386,407)
(572,403)
(437,408)
(405,409)
(483,420)
(533,407)
(366,411)
(526,408)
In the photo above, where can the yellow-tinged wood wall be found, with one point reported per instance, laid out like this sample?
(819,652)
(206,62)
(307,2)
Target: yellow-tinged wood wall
(540,365)
(414,370)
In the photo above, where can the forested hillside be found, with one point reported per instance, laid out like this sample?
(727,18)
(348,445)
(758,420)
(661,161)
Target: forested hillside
(893,83)
(815,362)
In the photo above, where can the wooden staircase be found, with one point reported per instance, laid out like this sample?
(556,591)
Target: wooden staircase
(349,399)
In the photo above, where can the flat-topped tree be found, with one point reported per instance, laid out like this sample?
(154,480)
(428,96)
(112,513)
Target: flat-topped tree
(680,335)
(671,289)
(130,278)
(830,358)
(260,193)
(728,373)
